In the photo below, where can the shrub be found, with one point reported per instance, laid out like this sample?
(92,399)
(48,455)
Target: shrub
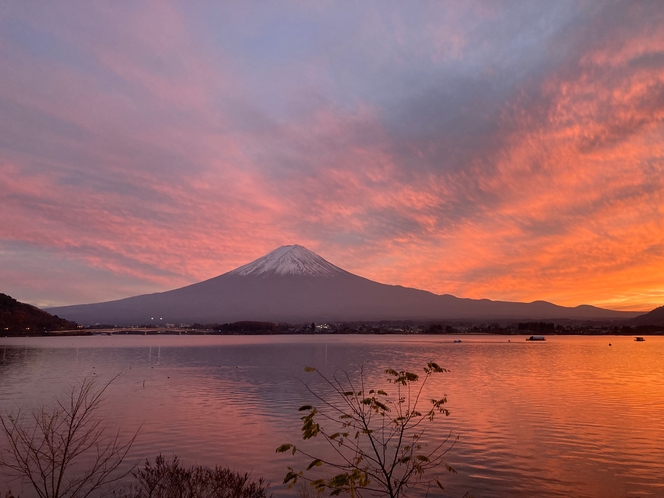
(168,479)
(376,436)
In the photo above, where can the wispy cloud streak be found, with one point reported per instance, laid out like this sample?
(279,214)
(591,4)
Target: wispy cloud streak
(510,151)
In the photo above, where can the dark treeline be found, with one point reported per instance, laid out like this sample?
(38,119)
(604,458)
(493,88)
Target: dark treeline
(20,319)
(438,328)
(543,328)
(271,328)
(249,327)
(537,327)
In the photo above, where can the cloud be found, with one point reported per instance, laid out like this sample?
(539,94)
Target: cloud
(510,151)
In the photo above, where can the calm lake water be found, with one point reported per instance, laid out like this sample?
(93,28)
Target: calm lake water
(571,416)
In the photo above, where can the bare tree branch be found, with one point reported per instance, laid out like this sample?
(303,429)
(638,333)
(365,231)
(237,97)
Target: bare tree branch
(65,450)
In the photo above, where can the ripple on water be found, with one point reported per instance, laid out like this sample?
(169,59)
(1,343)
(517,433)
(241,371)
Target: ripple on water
(570,417)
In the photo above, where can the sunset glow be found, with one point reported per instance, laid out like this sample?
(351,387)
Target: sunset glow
(502,150)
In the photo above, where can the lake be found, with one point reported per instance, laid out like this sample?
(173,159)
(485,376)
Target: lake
(571,416)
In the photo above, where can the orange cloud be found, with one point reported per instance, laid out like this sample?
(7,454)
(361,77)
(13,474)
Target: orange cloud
(164,160)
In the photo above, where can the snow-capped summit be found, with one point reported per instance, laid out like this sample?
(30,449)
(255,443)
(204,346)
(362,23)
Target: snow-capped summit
(289,260)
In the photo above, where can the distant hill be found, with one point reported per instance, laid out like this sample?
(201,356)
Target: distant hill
(292,284)
(655,317)
(18,318)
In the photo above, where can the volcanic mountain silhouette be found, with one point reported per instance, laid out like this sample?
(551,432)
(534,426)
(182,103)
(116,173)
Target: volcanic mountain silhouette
(292,284)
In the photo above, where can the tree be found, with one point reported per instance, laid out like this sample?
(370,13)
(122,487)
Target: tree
(65,450)
(376,438)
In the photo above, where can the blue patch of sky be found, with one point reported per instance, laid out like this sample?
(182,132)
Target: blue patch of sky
(281,41)
(270,47)
(47,46)
(464,97)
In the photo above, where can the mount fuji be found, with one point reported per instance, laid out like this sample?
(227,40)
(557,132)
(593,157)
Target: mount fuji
(293,284)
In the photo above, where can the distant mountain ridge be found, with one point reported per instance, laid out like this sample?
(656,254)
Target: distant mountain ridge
(655,317)
(293,284)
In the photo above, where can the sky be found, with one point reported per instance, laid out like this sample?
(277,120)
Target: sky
(510,150)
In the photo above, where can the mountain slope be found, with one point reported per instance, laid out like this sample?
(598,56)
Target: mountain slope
(655,317)
(293,284)
(24,319)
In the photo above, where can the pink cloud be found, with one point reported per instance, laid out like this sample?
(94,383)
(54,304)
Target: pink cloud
(151,171)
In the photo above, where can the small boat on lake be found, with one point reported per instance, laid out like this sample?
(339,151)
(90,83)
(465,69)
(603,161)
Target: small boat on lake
(457,340)
(536,338)
(639,339)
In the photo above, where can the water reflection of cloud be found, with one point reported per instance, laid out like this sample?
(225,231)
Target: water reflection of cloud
(534,418)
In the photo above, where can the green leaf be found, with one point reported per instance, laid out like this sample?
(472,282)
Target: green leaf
(381,406)
(354,408)
(411,377)
(434,367)
(291,476)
